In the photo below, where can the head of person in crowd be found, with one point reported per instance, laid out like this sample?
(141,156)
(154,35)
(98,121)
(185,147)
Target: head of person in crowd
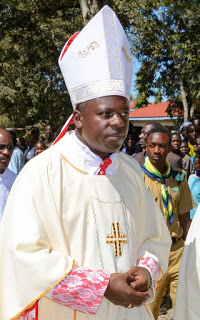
(183,129)
(197,145)
(175,142)
(41,138)
(184,147)
(49,132)
(158,145)
(193,131)
(140,146)
(146,128)
(39,147)
(6,149)
(196,164)
(196,121)
(31,137)
(131,140)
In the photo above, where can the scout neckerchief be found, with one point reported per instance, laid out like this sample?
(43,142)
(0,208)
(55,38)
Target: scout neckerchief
(152,172)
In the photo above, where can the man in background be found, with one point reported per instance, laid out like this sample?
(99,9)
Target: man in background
(17,160)
(171,192)
(7,177)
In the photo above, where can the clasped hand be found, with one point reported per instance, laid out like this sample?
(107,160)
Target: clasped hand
(129,288)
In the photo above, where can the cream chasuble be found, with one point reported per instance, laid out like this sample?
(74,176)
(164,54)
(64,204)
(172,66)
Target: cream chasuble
(57,214)
(187,305)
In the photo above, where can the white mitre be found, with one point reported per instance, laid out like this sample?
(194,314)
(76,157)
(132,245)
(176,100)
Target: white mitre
(98,62)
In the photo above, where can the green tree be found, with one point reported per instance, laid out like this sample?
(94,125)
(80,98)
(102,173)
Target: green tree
(32,35)
(165,39)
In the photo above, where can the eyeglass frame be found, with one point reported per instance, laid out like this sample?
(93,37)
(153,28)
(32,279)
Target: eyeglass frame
(5,146)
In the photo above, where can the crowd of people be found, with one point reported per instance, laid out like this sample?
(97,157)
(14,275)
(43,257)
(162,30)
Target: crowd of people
(162,155)
(95,220)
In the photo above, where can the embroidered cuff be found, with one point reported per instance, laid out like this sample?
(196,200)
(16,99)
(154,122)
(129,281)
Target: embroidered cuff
(82,289)
(153,266)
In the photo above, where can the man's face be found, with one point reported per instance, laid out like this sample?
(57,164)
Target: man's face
(6,149)
(193,131)
(175,143)
(196,122)
(144,132)
(196,165)
(48,131)
(184,147)
(130,141)
(197,146)
(39,147)
(184,132)
(157,148)
(104,124)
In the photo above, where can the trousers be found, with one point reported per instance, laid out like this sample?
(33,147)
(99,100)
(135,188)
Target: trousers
(169,279)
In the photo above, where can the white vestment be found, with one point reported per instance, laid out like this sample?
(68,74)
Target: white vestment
(187,305)
(57,214)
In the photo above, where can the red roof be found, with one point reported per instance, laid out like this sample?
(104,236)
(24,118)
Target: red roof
(157,110)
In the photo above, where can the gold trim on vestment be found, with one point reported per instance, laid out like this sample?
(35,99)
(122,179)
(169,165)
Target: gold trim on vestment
(30,304)
(83,172)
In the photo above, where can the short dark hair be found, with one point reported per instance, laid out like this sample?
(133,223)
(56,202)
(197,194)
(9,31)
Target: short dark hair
(159,129)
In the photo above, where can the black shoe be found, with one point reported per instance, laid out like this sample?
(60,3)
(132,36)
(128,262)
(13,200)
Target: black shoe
(163,310)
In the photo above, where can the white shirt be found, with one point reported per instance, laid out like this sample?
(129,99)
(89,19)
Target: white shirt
(92,161)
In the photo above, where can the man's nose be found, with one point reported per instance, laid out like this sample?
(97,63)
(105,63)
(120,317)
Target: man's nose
(117,120)
(6,151)
(157,149)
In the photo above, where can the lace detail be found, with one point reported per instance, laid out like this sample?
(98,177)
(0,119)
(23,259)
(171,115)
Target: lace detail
(31,313)
(82,289)
(152,265)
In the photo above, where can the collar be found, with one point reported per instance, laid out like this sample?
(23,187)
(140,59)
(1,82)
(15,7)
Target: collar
(92,161)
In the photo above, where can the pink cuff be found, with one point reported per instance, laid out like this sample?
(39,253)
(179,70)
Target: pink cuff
(152,265)
(82,289)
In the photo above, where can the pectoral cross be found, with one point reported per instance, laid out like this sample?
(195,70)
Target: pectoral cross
(117,238)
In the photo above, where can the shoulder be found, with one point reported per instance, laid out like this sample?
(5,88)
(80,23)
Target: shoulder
(140,158)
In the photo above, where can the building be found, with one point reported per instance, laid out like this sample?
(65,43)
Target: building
(153,112)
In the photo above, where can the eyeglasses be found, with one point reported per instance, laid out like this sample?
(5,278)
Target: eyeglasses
(4,146)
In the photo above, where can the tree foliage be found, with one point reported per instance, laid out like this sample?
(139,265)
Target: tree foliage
(33,33)
(165,39)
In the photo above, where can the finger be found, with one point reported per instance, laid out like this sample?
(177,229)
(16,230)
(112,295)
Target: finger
(139,285)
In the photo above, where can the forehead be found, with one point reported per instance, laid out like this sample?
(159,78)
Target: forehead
(5,137)
(196,160)
(158,137)
(184,144)
(175,137)
(115,103)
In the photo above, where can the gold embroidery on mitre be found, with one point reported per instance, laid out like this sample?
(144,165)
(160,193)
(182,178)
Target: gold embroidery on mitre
(126,54)
(117,238)
(93,45)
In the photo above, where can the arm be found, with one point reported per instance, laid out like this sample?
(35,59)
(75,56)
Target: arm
(185,221)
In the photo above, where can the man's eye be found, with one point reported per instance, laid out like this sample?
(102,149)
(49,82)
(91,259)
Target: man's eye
(107,114)
(125,114)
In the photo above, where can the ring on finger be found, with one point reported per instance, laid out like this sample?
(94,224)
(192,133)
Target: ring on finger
(129,306)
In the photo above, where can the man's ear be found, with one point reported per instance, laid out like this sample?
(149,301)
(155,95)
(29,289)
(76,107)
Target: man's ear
(78,119)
